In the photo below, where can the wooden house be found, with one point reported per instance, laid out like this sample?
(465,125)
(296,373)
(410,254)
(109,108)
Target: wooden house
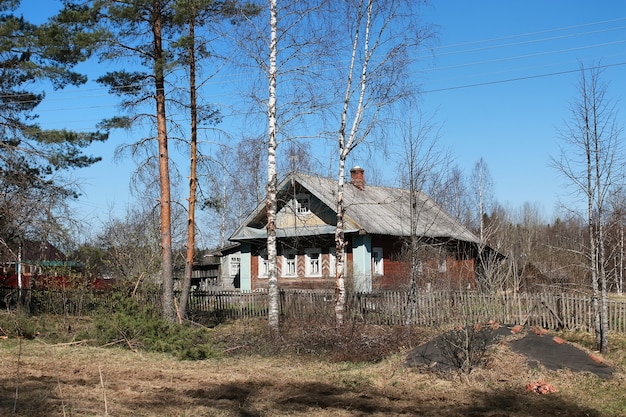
(377,228)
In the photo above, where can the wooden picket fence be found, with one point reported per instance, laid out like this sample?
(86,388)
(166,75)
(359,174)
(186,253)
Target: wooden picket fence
(549,310)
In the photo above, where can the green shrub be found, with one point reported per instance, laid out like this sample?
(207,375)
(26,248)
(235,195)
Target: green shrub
(139,327)
(18,324)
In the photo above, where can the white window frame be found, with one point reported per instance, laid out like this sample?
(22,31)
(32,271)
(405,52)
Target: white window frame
(263,265)
(303,204)
(290,258)
(332,260)
(234,265)
(378,266)
(313,266)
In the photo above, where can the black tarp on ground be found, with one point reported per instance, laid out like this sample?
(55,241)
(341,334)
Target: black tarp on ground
(447,352)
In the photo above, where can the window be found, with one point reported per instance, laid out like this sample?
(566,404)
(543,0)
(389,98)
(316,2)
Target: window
(289,263)
(313,262)
(442,265)
(264,268)
(234,265)
(303,204)
(332,261)
(377,261)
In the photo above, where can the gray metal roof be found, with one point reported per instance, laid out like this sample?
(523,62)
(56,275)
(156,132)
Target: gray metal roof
(373,210)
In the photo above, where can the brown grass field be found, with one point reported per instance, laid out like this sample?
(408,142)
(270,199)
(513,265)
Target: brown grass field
(40,378)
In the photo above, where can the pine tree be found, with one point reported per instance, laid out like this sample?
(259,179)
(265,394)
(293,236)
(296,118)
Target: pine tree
(33,159)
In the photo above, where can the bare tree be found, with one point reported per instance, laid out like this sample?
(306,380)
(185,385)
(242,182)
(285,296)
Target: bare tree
(482,183)
(487,220)
(382,36)
(615,238)
(424,168)
(130,247)
(590,160)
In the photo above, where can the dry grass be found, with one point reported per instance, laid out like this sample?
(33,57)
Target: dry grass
(75,380)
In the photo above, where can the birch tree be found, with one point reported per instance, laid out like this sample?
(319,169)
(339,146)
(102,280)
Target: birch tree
(285,45)
(383,37)
(591,162)
(482,187)
(272,144)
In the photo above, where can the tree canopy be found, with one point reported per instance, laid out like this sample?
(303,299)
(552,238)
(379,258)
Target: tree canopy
(33,159)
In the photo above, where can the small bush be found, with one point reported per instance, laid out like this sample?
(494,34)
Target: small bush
(465,349)
(139,327)
(352,342)
(19,324)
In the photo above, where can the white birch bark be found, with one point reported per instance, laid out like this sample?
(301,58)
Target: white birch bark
(270,202)
(346,144)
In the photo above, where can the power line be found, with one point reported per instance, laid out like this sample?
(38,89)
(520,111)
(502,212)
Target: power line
(579,48)
(529,42)
(532,33)
(224,78)
(528,77)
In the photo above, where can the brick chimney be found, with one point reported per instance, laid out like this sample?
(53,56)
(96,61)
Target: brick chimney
(357,177)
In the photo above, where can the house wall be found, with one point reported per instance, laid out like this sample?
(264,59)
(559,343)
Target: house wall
(396,270)
(300,280)
(436,272)
(457,273)
(318,215)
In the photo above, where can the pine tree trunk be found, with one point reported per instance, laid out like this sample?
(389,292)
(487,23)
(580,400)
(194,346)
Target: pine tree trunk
(191,216)
(164,175)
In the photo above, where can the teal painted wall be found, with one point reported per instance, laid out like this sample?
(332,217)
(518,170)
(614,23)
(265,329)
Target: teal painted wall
(245,269)
(362,263)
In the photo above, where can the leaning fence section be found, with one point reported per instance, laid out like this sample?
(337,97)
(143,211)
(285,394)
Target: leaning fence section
(549,310)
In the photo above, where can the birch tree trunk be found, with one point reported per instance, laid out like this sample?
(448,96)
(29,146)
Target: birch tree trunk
(346,143)
(340,244)
(270,202)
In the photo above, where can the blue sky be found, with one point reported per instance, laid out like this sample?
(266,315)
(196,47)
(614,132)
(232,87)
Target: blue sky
(468,85)
(513,125)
